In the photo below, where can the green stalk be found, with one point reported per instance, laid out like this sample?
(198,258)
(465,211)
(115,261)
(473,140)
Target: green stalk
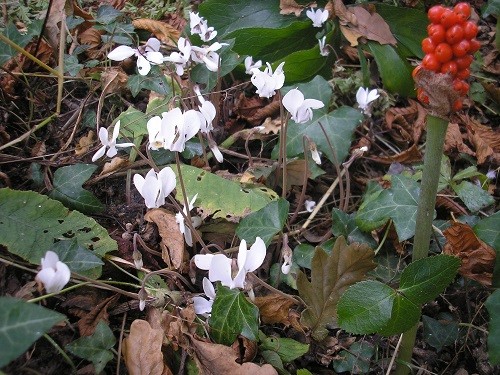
(436,132)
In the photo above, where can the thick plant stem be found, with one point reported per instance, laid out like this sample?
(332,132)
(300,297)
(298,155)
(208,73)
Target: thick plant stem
(436,132)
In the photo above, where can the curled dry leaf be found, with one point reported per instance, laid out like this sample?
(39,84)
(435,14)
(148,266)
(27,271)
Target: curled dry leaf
(163,31)
(275,308)
(142,350)
(88,322)
(454,141)
(411,155)
(485,139)
(84,143)
(173,251)
(411,118)
(291,6)
(215,359)
(478,258)
(356,22)
(113,80)
(113,166)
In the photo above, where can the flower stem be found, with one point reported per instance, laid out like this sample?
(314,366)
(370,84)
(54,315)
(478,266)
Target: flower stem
(436,132)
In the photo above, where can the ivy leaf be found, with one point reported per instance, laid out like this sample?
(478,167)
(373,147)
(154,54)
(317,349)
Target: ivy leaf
(398,203)
(156,83)
(344,224)
(472,195)
(68,188)
(331,275)
(424,279)
(356,360)
(493,306)
(11,32)
(233,315)
(439,333)
(22,324)
(77,258)
(30,224)
(95,348)
(287,349)
(264,223)
(488,230)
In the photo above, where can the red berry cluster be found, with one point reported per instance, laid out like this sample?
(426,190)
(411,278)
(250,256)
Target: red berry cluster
(449,47)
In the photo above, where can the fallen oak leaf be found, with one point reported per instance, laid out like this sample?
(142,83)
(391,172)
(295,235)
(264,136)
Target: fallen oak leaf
(331,275)
(275,308)
(477,257)
(216,359)
(142,350)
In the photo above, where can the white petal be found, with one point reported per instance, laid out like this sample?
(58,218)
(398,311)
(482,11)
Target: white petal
(202,305)
(138,182)
(188,236)
(50,260)
(313,103)
(143,66)
(111,152)
(309,205)
(293,100)
(239,279)
(45,276)
(191,124)
(153,44)
(285,268)
(372,95)
(167,180)
(218,155)
(211,60)
(99,154)
(116,131)
(220,270)
(120,53)
(104,136)
(208,288)
(256,255)
(242,254)
(203,261)
(361,96)
(155,58)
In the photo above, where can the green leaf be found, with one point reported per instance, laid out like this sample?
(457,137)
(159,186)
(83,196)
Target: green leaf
(404,315)
(330,277)
(107,14)
(424,279)
(221,197)
(22,323)
(395,70)
(287,349)
(30,224)
(264,223)
(233,315)
(488,230)
(356,360)
(493,306)
(304,64)
(344,224)
(407,24)
(274,360)
(77,258)
(95,348)
(388,267)
(398,203)
(68,188)
(133,123)
(11,32)
(439,333)
(473,196)
(365,307)
(156,83)
(303,255)
(304,371)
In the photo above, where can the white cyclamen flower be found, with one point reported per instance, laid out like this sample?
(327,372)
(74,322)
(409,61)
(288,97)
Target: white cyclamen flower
(249,65)
(185,230)
(181,58)
(54,274)
(203,306)
(268,82)
(309,205)
(219,266)
(110,143)
(323,49)
(364,97)
(318,17)
(199,26)
(208,111)
(156,186)
(179,127)
(299,107)
(315,154)
(146,56)
(207,55)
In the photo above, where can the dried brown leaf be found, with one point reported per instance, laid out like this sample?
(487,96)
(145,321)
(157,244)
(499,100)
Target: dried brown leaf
(163,31)
(477,257)
(113,166)
(88,323)
(330,277)
(57,13)
(142,350)
(454,141)
(409,156)
(275,308)
(113,80)
(215,359)
(171,237)
(484,138)
(290,6)
(84,143)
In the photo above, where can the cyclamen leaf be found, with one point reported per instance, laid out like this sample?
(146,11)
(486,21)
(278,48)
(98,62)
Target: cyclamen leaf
(398,203)
(68,188)
(488,230)
(22,324)
(439,333)
(330,277)
(30,224)
(264,223)
(95,348)
(233,315)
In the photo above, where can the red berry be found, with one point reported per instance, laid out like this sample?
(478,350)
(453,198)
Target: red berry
(454,34)
(461,87)
(443,52)
(470,30)
(422,98)
(428,45)
(474,45)
(463,10)
(437,33)
(463,74)
(430,62)
(434,13)
(449,67)
(464,62)
(449,18)
(461,48)
(457,106)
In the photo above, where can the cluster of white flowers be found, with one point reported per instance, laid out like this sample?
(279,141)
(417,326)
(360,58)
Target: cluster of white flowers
(220,268)
(199,26)
(267,81)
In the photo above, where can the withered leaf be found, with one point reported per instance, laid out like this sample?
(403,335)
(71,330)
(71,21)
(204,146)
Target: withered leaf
(454,140)
(478,258)
(290,6)
(163,31)
(84,143)
(330,277)
(171,237)
(408,156)
(88,323)
(216,359)
(274,308)
(484,138)
(142,350)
